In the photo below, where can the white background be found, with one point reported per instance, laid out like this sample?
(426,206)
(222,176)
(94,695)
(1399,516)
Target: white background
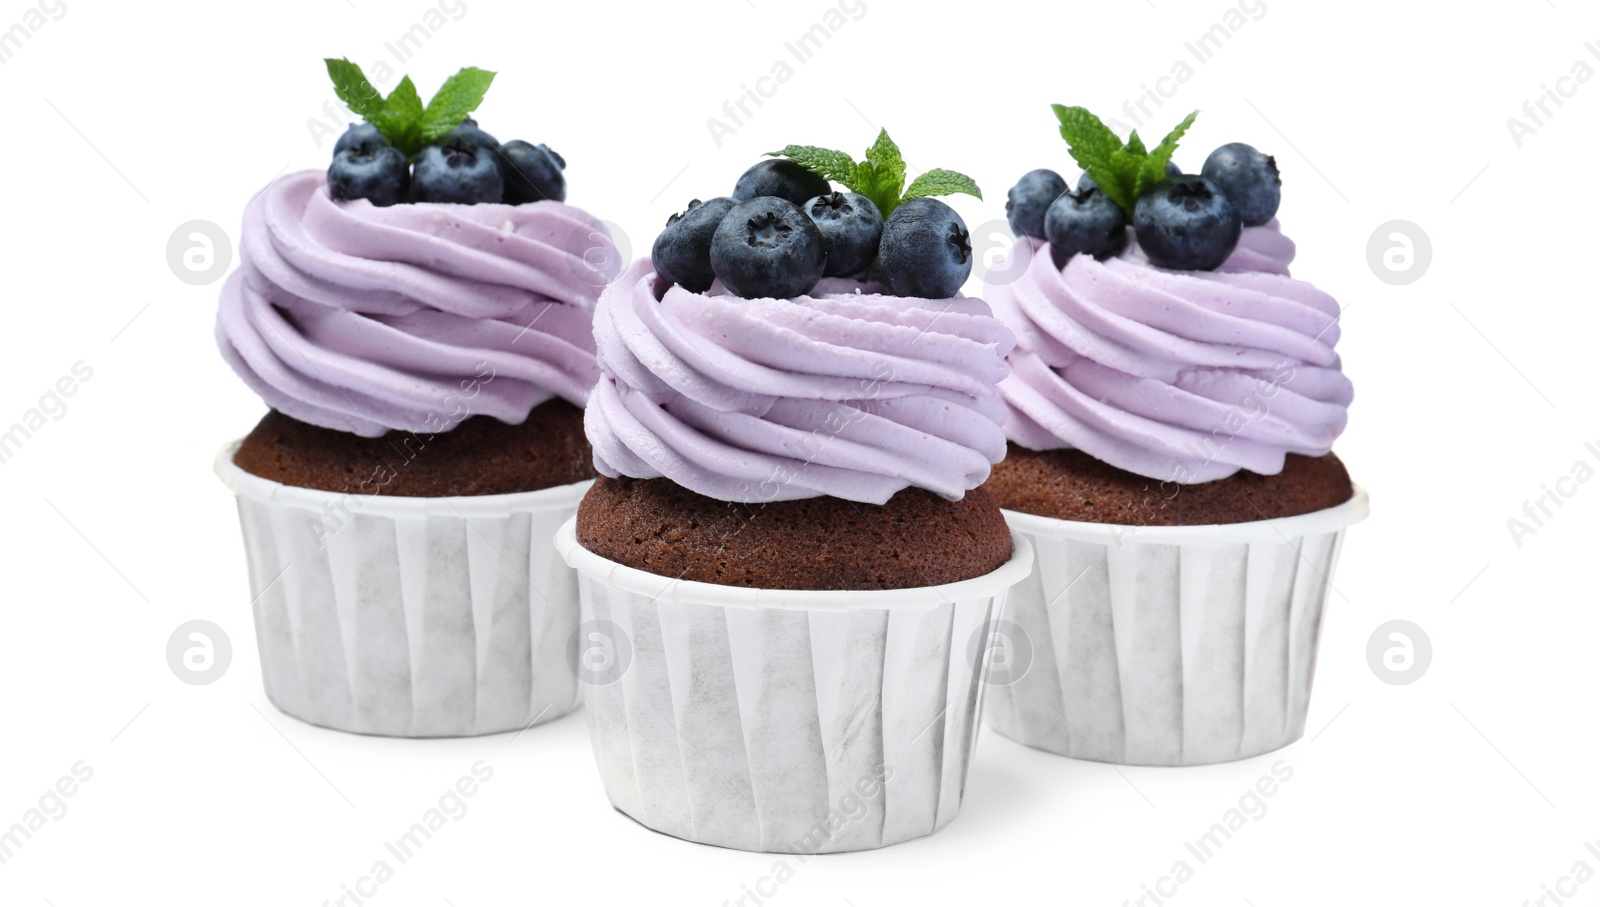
(1474,785)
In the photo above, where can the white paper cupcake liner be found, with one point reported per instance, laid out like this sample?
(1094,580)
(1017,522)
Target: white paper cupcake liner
(1169,645)
(409,616)
(783,721)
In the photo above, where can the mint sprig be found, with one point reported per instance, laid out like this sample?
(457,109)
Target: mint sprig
(939,181)
(881,177)
(455,100)
(1124,170)
(401,118)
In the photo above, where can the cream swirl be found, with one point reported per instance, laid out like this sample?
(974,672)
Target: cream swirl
(1182,376)
(846,392)
(367,319)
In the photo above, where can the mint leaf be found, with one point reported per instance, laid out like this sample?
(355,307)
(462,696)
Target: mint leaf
(1087,137)
(1092,144)
(404,100)
(883,174)
(1117,182)
(942,182)
(1126,164)
(400,120)
(884,155)
(875,186)
(881,177)
(1123,170)
(1155,168)
(826,163)
(353,88)
(1162,153)
(455,100)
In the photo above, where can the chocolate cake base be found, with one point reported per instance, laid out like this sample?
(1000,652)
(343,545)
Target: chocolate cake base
(481,455)
(916,539)
(1071,485)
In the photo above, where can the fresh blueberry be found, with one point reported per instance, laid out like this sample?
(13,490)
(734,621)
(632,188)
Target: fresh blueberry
(467,132)
(926,250)
(1084,182)
(1087,222)
(531,172)
(768,247)
(357,135)
(1249,178)
(682,252)
(1186,222)
(458,171)
(781,178)
(377,173)
(1030,198)
(851,227)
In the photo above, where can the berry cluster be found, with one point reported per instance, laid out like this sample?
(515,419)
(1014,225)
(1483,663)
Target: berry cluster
(1182,221)
(785,227)
(466,167)
(408,152)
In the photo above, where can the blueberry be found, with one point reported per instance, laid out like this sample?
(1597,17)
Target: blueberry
(458,171)
(851,227)
(531,172)
(377,173)
(1030,198)
(1186,222)
(926,250)
(467,132)
(1087,222)
(1249,178)
(768,247)
(357,135)
(1084,182)
(781,178)
(682,252)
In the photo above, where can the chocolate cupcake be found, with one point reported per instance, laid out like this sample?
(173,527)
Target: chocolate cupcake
(760,428)
(1174,399)
(786,556)
(418,320)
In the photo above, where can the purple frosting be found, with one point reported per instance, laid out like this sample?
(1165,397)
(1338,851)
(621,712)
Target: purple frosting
(411,317)
(1181,376)
(848,392)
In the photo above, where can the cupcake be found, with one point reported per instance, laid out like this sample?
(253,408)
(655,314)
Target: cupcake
(418,319)
(787,558)
(1174,398)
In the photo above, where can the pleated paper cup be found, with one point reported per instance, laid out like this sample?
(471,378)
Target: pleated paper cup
(1169,645)
(409,616)
(783,721)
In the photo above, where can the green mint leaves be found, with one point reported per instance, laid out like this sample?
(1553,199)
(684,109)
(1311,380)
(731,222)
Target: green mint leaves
(401,118)
(1124,170)
(881,177)
(455,100)
(835,166)
(939,181)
